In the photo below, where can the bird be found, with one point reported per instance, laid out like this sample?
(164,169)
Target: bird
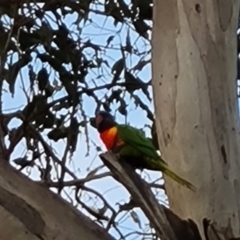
(132,146)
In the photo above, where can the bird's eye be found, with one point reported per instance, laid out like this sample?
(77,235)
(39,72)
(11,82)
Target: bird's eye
(99,119)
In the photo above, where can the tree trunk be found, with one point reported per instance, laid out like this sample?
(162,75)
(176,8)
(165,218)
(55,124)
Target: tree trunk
(28,211)
(194,81)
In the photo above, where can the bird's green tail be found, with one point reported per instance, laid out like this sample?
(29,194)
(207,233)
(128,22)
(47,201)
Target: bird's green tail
(162,165)
(178,179)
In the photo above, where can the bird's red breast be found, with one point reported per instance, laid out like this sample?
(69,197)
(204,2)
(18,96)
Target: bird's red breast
(110,138)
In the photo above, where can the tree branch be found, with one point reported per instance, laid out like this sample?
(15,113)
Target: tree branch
(28,211)
(167,224)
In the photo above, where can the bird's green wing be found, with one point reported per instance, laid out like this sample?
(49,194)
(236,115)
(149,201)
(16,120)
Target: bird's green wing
(135,138)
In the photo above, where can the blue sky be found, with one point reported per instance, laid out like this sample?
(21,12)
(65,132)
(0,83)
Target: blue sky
(82,161)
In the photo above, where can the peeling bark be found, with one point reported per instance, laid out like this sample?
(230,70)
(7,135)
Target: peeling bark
(29,211)
(197,118)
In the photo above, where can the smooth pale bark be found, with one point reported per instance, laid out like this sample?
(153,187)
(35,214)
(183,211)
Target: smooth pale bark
(29,211)
(194,81)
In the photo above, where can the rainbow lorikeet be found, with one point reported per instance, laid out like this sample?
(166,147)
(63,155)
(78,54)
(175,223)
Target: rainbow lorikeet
(132,146)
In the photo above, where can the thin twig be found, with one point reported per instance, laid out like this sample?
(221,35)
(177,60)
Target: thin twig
(49,151)
(77,182)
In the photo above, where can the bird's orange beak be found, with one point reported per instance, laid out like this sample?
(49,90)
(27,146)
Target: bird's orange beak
(99,119)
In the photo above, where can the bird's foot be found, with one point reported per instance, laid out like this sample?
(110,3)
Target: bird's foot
(117,155)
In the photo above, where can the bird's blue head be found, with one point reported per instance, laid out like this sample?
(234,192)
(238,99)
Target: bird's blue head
(104,121)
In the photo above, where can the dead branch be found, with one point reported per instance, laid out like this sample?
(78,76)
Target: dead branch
(167,225)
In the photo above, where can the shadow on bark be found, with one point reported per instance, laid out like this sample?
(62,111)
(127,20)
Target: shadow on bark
(168,225)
